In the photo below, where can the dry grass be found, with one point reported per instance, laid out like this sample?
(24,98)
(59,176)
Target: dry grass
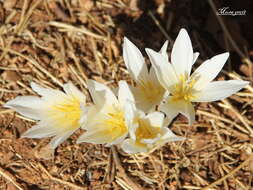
(52,42)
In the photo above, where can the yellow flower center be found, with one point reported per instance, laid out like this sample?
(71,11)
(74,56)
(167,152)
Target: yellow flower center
(115,123)
(184,89)
(150,91)
(66,114)
(145,131)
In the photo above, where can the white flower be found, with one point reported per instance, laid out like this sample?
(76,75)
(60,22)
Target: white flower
(148,91)
(59,114)
(185,88)
(107,120)
(147,132)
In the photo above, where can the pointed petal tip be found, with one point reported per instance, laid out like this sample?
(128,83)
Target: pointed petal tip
(126,39)
(221,57)
(34,85)
(30,134)
(127,44)
(165,45)
(183,31)
(242,83)
(122,82)
(12,103)
(245,81)
(68,83)
(225,55)
(26,135)
(89,81)
(7,105)
(149,51)
(178,138)
(182,53)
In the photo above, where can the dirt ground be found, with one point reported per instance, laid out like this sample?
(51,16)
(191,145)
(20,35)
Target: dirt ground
(51,42)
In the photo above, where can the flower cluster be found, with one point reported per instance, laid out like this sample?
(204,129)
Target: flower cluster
(136,117)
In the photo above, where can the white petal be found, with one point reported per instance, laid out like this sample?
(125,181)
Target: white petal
(219,90)
(134,61)
(164,71)
(71,90)
(130,116)
(144,99)
(29,106)
(164,48)
(58,139)
(115,90)
(142,102)
(182,53)
(91,117)
(155,119)
(208,70)
(117,141)
(100,93)
(150,141)
(172,108)
(39,131)
(125,93)
(189,112)
(170,112)
(169,136)
(95,136)
(47,93)
(148,99)
(130,147)
(195,57)
(152,77)
(84,114)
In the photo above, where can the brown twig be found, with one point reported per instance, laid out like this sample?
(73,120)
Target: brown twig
(122,172)
(160,27)
(10,178)
(60,180)
(229,174)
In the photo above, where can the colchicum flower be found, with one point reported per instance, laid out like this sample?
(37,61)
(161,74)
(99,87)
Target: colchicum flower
(185,87)
(107,120)
(148,92)
(59,114)
(147,132)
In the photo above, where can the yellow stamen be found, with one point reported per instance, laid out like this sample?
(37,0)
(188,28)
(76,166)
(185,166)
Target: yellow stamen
(115,123)
(67,113)
(184,89)
(150,91)
(145,131)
